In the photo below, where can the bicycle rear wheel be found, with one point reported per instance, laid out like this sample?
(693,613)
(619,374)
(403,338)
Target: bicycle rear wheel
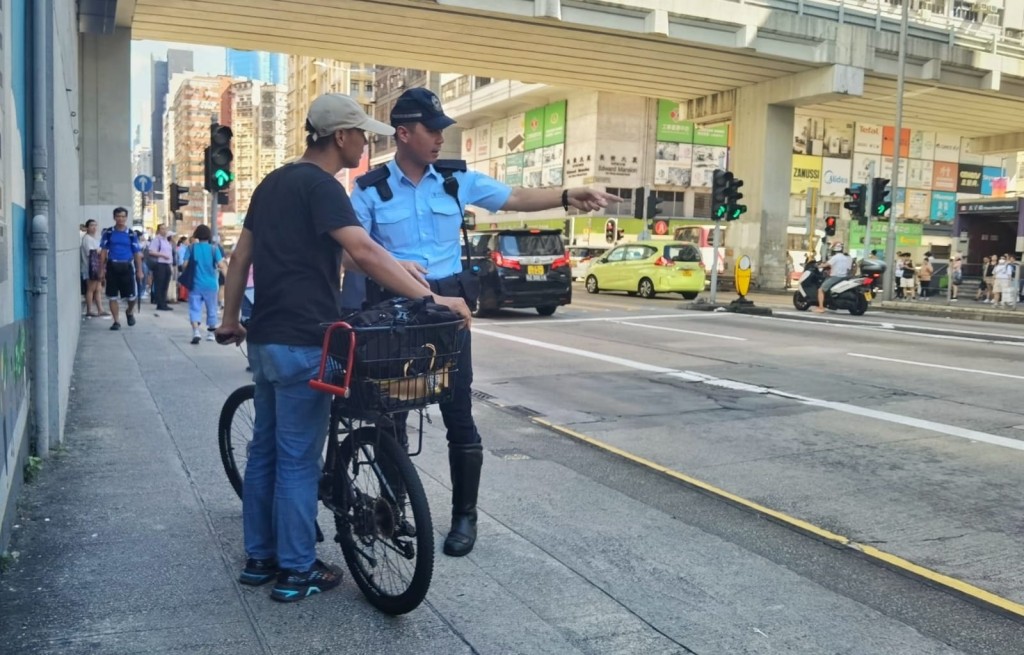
(234,433)
(383,520)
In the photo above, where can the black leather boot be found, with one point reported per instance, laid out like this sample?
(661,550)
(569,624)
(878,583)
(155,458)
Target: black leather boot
(465,461)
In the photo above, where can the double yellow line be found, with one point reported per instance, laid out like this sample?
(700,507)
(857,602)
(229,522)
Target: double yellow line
(894,561)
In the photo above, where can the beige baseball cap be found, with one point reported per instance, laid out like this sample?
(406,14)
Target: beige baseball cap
(336,111)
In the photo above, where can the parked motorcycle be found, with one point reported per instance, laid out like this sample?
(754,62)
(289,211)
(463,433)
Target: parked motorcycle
(852,294)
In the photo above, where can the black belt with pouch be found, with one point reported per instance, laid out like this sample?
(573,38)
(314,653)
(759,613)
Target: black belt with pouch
(465,285)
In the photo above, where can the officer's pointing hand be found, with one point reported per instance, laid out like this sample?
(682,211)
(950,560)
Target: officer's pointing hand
(590,199)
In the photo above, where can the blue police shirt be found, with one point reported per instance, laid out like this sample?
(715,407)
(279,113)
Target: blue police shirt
(421,223)
(121,245)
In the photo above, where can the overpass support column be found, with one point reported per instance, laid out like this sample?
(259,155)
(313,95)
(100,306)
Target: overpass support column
(106,168)
(762,158)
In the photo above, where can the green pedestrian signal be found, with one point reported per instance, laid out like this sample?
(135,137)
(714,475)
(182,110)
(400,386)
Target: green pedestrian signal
(218,159)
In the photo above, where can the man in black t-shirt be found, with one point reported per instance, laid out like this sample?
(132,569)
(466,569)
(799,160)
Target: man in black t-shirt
(298,222)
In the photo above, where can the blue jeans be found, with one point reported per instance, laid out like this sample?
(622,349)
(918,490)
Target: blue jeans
(196,300)
(279,499)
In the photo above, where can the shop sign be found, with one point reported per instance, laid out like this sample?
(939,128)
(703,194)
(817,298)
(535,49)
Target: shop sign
(969,180)
(889,141)
(943,206)
(671,126)
(711,135)
(499,129)
(514,136)
(988,175)
(534,129)
(947,147)
(991,207)
(944,176)
(868,139)
(835,176)
(554,123)
(806,174)
(922,145)
(469,144)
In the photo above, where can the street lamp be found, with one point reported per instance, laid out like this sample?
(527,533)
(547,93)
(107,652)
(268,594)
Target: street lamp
(889,279)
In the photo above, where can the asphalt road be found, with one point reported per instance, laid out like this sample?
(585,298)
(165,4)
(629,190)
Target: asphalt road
(900,433)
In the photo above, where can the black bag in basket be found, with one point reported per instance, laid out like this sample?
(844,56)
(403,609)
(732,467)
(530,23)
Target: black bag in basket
(388,349)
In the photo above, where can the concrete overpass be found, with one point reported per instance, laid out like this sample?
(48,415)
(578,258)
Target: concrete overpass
(751,63)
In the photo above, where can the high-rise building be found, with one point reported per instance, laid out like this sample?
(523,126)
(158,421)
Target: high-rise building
(258,122)
(196,99)
(309,77)
(178,61)
(270,67)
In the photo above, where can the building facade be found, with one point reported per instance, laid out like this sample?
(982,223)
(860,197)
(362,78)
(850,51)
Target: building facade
(309,77)
(258,115)
(197,98)
(177,62)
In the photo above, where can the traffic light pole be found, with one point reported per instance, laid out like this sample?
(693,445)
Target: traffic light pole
(716,242)
(214,118)
(888,278)
(869,204)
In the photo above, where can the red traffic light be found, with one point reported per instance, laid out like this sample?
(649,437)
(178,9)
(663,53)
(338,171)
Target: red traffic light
(830,225)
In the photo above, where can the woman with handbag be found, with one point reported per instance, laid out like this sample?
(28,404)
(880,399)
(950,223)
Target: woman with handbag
(201,265)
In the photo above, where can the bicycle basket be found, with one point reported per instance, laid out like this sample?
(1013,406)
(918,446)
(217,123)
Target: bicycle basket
(390,368)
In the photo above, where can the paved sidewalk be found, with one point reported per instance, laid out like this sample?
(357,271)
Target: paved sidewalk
(130,542)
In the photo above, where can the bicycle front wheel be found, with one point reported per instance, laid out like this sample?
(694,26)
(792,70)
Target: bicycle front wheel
(234,433)
(383,521)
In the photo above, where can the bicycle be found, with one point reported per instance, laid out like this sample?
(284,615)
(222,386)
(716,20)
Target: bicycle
(369,483)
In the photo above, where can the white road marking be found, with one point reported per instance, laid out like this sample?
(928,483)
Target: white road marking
(909,332)
(606,319)
(942,366)
(668,329)
(693,376)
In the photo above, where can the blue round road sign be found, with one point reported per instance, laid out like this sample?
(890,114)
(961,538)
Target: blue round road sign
(143,183)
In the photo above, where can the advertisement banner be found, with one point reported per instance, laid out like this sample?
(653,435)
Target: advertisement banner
(532,169)
(838,142)
(514,169)
(887,171)
(889,141)
(835,176)
(483,142)
(922,144)
(947,147)
(988,175)
(808,135)
(862,167)
(919,204)
(671,127)
(806,174)
(969,180)
(868,139)
(705,160)
(469,144)
(554,123)
(944,176)
(496,169)
(499,129)
(968,157)
(672,173)
(907,234)
(514,133)
(943,207)
(711,135)
(919,174)
(534,129)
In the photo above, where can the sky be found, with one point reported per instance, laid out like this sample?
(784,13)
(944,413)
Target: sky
(207,60)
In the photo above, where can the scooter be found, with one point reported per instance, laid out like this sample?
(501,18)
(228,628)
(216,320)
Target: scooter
(852,294)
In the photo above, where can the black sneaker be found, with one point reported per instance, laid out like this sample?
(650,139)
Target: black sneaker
(131,319)
(115,326)
(259,571)
(296,585)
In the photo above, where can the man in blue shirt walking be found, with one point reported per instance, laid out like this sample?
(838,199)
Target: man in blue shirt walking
(121,266)
(413,207)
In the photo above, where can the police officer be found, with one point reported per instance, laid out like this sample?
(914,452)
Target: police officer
(121,266)
(413,206)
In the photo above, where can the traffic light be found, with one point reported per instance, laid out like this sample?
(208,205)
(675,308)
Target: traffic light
(218,158)
(652,205)
(830,226)
(611,229)
(638,202)
(856,202)
(880,196)
(179,196)
(732,195)
(720,184)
